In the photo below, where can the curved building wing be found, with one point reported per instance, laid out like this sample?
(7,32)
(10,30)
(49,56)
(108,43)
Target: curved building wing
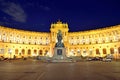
(92,43)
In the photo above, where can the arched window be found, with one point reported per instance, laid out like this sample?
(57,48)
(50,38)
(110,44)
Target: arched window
(96,42)
(29,52)
(103,41)
(97,51)
(104,51)
(23,51)
(16,51)
(35,51)
(112,50)
(40,52)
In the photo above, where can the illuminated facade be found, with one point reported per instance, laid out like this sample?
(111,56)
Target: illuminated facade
(99,42)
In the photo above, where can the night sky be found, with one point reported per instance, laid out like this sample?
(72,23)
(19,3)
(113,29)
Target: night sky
(37,15)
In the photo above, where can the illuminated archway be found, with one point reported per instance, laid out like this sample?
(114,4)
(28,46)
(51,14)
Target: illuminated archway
(16,51)
(97,51)
(35,51)
(23,51)
(112,50)
(29,52)
(104,51)
(40,52)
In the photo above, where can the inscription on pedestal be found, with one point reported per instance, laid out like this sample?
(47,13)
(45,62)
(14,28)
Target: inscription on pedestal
(59,51)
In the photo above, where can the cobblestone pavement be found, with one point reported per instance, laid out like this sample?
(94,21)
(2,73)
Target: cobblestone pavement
(36,70)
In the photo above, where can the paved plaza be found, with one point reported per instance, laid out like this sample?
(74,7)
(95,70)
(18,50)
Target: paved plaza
(37,70)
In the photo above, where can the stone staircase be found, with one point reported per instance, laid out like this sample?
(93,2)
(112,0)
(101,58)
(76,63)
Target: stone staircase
(62,60)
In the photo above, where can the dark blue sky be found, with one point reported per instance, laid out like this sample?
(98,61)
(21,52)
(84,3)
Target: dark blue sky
(37,15)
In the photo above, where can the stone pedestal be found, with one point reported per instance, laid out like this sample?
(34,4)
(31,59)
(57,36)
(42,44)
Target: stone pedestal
(59,53)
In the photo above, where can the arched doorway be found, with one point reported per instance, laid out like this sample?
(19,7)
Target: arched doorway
(112,50)
(16,51)
(35,51)
(46,51)
(29,52)
(104,51)
(119,50)
(23,52)
(97,51)
(40,52)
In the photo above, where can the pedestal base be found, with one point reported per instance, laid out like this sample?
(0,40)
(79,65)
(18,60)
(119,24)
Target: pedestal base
(60,55)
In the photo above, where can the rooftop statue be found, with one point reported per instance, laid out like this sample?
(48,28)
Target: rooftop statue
(59,38)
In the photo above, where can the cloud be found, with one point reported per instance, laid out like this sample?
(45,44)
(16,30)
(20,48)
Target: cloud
(14,10)
(5,18)
(45,8)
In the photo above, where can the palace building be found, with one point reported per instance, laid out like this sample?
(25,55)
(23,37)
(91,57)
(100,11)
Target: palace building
(92,43)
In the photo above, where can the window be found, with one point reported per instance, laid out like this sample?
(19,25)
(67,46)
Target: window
(29,52)
(112,50)
(97,51)
(83,42)
(16,51)
(89,42)
(110,40)
(23,51)
(103,41)
(40,52)
(35,51)
(104,51)
(40,43)
(96,42)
